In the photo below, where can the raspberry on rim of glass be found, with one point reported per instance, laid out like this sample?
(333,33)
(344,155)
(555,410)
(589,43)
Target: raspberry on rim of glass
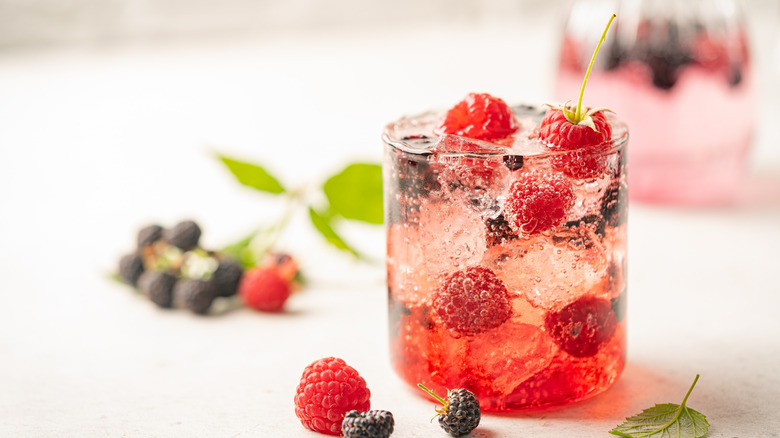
(571,130)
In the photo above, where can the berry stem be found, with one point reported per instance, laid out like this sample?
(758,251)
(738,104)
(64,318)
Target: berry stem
(433,394)
(578,116)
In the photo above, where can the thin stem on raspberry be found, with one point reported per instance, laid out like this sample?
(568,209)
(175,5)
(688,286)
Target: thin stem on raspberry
(578,116)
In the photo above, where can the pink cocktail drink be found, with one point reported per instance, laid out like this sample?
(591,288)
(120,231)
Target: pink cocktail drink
(486,291)
(686,90)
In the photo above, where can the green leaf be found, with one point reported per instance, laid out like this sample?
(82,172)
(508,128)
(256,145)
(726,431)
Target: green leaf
(665,420)
(252,175)
(240,251)
(356,192)
(322,223)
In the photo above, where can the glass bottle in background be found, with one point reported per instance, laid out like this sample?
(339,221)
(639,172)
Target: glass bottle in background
(679,73)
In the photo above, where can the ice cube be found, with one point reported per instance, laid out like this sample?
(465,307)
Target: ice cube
(503,358)
(451,236)
(550,271)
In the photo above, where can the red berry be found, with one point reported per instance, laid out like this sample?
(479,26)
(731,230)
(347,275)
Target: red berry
(264,289)
(582,327)
(329,388)
(580,160)
(479,116)
(538,201)
(472,301)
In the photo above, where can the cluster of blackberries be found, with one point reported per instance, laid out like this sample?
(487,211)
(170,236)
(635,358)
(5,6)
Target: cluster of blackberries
(172,270)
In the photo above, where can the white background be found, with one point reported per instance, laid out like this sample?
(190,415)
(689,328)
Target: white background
(104,131)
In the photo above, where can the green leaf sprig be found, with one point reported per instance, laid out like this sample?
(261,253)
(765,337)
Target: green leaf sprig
(665,421)
(354,193)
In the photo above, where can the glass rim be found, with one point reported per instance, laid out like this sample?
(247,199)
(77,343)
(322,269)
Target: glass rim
(492,149)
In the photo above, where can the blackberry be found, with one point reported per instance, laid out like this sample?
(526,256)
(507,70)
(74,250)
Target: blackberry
(227,277)
(194,295)
(614,204)
(618,305)
(460,414)
(371,424)
(185,235)
(149,234)
(414,177)
(498,230)
(131,267)
(594,222)
(158,287)
(513,162)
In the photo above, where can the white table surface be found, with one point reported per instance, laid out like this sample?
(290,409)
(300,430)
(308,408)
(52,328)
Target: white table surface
(96,142)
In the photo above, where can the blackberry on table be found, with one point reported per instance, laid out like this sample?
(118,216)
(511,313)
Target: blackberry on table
(227,277)
(131,267)
(371,424)
(194,295)
(461,412)
(185,235)
(158,287)
(149,234)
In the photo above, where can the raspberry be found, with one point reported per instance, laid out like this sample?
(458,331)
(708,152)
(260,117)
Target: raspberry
(538,202)
(461,412)
(131,267)
(371,424)
(283,264)
(479,116)
(560,134)
(328,389)
(149,234)
(158,287)
(185,235)
(582,327)
(570,130)
(574,143)
(264,289)
(194,295)
(472,301)
(227,277)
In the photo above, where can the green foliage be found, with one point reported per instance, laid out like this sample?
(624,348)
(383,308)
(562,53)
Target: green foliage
(665,421)
(354,193)
(252,175)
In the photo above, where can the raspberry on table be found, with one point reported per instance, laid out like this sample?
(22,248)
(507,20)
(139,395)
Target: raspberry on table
(149,234)
(264,289)
(461,412)
(472,301)
(131,266)
(328,389)
(538,201)
(582,327)
(158,287)
(185,235)
(371,424)
(479,116)
(194,295)
(227,277)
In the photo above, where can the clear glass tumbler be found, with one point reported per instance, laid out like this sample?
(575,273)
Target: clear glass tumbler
(679,73)
(522,317)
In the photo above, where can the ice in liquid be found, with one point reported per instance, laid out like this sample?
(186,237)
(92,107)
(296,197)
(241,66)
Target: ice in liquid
(441,214)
